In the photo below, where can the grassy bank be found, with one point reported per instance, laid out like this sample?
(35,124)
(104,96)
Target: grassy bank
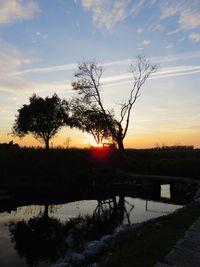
(150,243)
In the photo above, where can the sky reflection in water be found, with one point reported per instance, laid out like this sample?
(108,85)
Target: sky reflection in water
(58,218)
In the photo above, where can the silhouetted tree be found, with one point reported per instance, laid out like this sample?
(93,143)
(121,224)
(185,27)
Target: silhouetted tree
(88,85)
(92,120)
(42,118)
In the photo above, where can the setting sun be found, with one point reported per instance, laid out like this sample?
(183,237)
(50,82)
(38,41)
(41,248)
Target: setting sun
(92,143)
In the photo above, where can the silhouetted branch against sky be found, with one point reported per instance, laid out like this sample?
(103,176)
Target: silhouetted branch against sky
(88,85)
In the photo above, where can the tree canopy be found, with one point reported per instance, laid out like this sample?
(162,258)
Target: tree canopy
(90,119)
(42,118)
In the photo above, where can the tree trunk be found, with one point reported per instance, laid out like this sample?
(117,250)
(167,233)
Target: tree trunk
(120,144)
(121,208)
(47,144)
(46,211)
(119,136)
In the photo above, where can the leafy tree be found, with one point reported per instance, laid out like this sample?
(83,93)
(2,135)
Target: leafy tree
(92,120)
(42,118)
(88,85)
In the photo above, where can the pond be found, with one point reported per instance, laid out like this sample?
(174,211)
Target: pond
(40,235)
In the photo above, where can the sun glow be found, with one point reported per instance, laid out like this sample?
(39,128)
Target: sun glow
(99,145)
(92,143)
(102,152)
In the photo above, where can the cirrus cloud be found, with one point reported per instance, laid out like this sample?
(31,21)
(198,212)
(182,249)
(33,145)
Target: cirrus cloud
(11,60)
(194,37)
(107,13)
(12,10)
(188,12)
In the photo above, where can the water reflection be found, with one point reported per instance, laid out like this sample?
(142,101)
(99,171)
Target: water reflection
(117,209)
(39,238)
(45,234)
(44,238)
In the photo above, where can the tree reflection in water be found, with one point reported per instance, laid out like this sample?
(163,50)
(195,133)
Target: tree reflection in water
(44,238)
(116,211)
(39,239)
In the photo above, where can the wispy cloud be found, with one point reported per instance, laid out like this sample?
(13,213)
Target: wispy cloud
(30,87)
(167,10)
(190,19)
(50,69)
(140,30)
(11,60)
(187,12)
(169,46)
(173,32)
(181,39)
(194,37)
(107,13)
(126,78)
(158,60)
(38,36)
(176,57)
(73,66)
(13,64)
(13,69)
(12,10)
(157,27)
(176,71)
(64,88)
(153,24)
(146,42)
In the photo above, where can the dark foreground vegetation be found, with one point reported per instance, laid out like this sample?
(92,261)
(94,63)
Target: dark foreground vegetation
(72,173)
(78,168)
(140,247)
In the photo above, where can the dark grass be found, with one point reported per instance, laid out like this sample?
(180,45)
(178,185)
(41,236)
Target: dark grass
(38,165)
(150,243)
(58,167)
(165,162)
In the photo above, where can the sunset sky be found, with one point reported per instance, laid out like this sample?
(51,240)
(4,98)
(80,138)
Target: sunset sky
(41,42)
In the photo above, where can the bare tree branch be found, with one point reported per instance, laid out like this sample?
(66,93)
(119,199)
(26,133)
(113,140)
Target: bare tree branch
(88,86)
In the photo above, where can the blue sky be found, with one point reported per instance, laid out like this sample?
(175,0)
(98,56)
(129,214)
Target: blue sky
(42,41)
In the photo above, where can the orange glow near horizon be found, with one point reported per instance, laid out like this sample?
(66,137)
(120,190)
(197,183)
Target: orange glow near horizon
(93,143)
(148,140)
(75,138)
(98,145)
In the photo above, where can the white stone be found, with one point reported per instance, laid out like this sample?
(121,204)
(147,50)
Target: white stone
(94,247)
(78,258)
(121,228)
(61,264)
(160,264)
(88,253)
(105,239)
(197,195)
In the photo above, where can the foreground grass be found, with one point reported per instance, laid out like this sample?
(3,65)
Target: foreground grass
(144,247)
(31,168)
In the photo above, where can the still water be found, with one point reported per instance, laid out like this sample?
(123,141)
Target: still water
(36,235)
